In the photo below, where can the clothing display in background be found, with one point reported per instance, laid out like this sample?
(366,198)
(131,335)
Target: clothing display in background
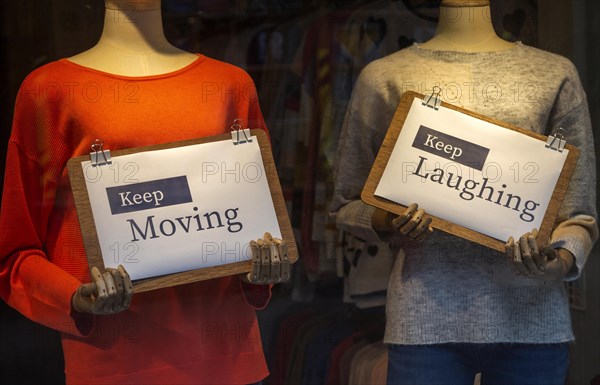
(367,267)
(334,53)
(447,289)
(324,344)
(42,262)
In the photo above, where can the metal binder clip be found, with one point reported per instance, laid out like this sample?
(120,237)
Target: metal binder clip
(433,101)
(240,135)
(557,141)
(99,156)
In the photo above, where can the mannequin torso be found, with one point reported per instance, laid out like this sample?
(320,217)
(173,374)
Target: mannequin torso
(133,42)
(466,26)
(164,342)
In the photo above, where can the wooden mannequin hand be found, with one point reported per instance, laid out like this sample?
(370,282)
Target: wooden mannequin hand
(549,264)
(109,293)
(413,224)
(270,262)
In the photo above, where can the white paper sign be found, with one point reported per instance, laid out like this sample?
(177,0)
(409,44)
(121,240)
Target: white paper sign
(167,211)
(471,172)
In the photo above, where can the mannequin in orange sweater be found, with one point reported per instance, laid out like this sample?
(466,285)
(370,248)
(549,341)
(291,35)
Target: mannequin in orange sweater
(132,89)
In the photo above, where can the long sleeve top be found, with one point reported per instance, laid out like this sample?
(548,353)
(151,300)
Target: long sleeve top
(448,289)
(204,332)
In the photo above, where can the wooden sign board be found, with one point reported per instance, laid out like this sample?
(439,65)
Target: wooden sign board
(419,137)
(90,234)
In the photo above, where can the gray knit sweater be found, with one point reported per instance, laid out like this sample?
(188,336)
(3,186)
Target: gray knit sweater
(448,289)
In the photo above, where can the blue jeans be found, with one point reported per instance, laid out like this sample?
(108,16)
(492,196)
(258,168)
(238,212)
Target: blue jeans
(457,364)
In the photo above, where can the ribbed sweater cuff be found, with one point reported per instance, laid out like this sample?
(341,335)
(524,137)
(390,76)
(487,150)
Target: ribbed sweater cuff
(355,218)
(577,235)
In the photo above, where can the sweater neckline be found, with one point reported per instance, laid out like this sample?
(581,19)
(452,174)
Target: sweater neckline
(463,56)
(200,59)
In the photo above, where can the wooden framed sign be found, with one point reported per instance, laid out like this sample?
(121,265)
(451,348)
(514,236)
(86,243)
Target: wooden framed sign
(479,178)
(180,212)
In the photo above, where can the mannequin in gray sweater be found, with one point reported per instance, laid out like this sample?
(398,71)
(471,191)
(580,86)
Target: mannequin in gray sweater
(455,308)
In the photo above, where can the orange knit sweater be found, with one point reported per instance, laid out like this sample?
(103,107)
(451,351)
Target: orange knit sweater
(199,333)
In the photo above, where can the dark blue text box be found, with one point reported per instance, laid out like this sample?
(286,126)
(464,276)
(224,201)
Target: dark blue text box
(451,148)
(149,195)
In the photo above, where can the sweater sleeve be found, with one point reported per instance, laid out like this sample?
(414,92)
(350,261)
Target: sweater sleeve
(367,119)
(576,228)
(29,282)
(256,296)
